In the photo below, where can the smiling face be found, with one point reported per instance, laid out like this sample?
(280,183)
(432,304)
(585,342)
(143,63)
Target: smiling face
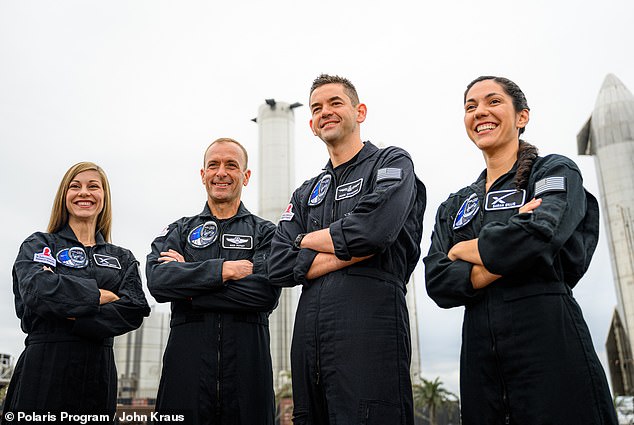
(224,174)
(85,196)
(334,117)
(490,118)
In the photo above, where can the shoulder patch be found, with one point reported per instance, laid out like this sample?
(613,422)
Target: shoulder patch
(388,174)
(288,214)
(505,199)
(74,257)
(550,184)
(203,235)
(319,191)
(237,241)
(107,261)
(45,257)
(467,211)
(348,190)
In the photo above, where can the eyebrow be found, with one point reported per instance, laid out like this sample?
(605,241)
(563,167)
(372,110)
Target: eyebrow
(312,105)
(486,97)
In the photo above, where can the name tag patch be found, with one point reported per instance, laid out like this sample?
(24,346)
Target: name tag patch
(45,257)
(550,184)
(107,261)
(388,174)
(74,257)
(349,190)
(505,199)
(237,241)
(467,211)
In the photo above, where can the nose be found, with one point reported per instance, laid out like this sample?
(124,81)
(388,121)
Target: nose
(222,171)
(83,190)
(480,111)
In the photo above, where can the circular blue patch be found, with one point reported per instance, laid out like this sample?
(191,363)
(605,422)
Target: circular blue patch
(467,211)
(74,257)
(203,235)
(318,193)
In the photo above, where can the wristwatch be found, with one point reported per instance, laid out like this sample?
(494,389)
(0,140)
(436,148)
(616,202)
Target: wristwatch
(298,241)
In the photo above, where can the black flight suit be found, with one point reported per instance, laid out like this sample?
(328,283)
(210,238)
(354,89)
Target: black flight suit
(217,364)
(68,365)
(527,357)
(351,347)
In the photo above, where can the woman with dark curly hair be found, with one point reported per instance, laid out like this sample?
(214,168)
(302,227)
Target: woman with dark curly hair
(510,247)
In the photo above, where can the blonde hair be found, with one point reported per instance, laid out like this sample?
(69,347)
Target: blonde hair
(59,212)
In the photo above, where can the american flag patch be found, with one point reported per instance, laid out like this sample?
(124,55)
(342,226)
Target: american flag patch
(550,184)
(388,174)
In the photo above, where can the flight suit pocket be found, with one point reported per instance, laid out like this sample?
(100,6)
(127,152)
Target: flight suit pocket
(378,412)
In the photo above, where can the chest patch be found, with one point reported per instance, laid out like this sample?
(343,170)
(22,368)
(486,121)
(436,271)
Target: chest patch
(550,184)
(45,257)
(203,235)
(74,257)
(467,211)
(107,261)
(505,199)
(348,190)
(318,193)
(237,241)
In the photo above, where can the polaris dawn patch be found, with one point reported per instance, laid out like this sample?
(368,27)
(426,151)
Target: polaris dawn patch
(505,199)
(203,235)
(388,174)
(319,191)
(237,241)
(74,257)
(467,211)
(107,261)
(550,184)
(348,190)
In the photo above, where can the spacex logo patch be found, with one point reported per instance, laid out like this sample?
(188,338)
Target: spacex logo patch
(505,199)
(107,261)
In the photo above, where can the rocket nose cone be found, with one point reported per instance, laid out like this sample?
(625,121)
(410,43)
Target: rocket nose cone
(612,85)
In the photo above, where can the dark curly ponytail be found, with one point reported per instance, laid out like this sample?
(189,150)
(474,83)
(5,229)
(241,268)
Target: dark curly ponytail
(526,153)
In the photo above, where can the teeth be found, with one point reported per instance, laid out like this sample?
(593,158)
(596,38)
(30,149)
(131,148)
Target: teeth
(487,126)
(84,203)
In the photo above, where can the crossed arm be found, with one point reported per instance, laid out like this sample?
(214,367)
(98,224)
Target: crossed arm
(468,251)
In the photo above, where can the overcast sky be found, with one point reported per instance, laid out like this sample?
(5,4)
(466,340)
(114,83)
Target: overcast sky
(141,88)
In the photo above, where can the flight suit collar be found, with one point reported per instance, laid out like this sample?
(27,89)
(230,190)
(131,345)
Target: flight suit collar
(67,233)
(366,151)
(242,211)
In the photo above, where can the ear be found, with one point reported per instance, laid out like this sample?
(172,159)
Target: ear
(522,118)
(202,176)
(247,176)
(311,127)
(362,112)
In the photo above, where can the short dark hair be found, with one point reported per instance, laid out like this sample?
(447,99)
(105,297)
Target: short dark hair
(348,87)
(228,140)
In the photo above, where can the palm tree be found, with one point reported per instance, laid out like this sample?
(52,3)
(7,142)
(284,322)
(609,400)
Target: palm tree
(430,395)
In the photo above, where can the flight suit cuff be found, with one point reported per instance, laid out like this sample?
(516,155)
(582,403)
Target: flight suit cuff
(339,241)
(304,260)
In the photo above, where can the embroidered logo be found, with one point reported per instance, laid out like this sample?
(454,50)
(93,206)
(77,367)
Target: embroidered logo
(505,199)
(349,190)
(550,184)
(288,214)
(467,211)
(237,241)
(203,235)
(74,257)
(45,257)
(318,193)
(107,261)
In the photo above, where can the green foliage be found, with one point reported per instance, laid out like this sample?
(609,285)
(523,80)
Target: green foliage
(429,397)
